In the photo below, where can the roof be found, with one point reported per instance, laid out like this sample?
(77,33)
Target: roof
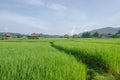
(34,35)
(7,35)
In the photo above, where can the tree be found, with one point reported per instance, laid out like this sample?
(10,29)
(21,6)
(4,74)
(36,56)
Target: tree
(86,35)
(118,32)
(96,34)
(117,35)
(75,36)
(66,36)
(110,34)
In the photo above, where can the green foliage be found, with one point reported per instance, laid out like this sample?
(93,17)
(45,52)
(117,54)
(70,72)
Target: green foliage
(75,36)
(96,34)
(103,54)
(118,32)
(116,36)
(86,35)
(37,60)
(66,36)
(24,59)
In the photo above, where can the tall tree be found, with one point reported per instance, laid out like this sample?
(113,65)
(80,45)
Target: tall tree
(117,35)
(66,36)
(96,34)
(118,32)
(75,36)
(86,35)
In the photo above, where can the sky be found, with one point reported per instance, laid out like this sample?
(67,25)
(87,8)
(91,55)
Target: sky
(58,16)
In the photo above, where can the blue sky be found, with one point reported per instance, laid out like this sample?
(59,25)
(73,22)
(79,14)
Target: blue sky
(58,16)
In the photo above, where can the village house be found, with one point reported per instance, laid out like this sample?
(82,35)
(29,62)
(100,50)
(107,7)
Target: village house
(33,36)
(6,36)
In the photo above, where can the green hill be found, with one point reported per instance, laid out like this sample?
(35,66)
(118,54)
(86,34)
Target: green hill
(106,30)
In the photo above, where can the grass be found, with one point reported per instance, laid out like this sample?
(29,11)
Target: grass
(31,60)
(23,59)
(96,53)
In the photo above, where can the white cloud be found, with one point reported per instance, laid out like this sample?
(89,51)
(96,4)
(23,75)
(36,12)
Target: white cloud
(57,7)
(25,20)
(4,29)
(112,21)
(32,2)
(88,25)
(44,3)
(72,31)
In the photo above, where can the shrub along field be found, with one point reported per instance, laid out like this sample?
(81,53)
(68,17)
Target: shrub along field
(60,59)
(33,60)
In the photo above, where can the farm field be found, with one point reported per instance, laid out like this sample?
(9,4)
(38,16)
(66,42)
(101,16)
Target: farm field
(60,59)
(102,55)
(37,61)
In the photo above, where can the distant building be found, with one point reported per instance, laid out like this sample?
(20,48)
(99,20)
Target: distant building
(6,36)
(33,36)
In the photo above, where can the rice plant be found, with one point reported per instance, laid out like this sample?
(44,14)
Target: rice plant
(99,53)
(31,60)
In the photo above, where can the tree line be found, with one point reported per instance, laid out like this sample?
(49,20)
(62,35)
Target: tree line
(94,35)
(83,35)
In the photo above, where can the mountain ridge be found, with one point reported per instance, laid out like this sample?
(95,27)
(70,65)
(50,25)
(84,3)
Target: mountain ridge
(106,30)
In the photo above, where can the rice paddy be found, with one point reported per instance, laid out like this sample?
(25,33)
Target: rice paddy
(37,61)
(103,54)
(60,59)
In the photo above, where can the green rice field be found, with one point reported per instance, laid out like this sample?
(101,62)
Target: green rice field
(60,59)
